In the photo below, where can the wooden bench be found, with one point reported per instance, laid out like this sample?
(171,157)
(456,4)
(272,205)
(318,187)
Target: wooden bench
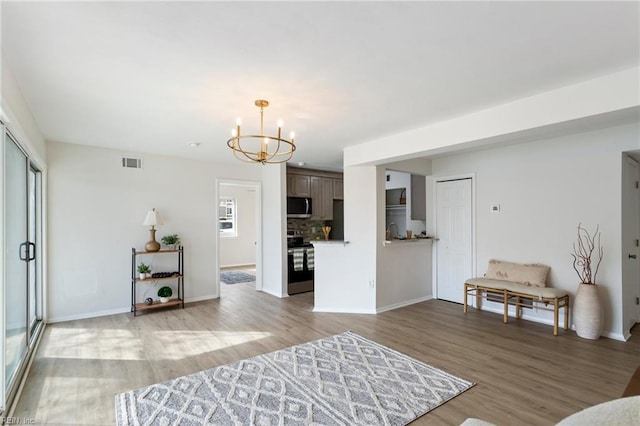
(518,295)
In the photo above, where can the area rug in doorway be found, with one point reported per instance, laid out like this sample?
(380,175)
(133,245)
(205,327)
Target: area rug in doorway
(340,380)
(234,277)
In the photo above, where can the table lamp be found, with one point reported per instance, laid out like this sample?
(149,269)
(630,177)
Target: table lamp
(153,218)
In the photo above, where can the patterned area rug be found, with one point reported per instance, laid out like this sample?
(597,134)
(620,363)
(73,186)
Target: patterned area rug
(340,380)
(234,277)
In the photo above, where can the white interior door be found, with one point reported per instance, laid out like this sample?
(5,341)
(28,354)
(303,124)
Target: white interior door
(453,228)
(630,236)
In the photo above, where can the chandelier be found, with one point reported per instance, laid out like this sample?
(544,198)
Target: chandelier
(261,148)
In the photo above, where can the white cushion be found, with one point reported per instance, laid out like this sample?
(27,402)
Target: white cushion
(527,274)
(619,412)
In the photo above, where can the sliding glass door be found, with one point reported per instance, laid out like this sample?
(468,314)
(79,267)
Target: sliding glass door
(16,256)
(22,253)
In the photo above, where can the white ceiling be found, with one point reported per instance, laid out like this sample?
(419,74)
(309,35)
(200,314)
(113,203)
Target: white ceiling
(155,76)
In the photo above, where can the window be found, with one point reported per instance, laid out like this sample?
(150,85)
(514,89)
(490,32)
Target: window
(227,217)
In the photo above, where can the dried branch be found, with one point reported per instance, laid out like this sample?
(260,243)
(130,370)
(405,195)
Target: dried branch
(583,250)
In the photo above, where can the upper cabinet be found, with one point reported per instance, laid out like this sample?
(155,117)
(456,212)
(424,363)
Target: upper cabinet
(323,187)
(322,198)
(338,189)
(298,185)
(418,197)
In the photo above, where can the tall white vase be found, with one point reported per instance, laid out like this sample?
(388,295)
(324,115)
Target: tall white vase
(588,312)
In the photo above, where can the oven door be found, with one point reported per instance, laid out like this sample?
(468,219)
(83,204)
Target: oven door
(300,274)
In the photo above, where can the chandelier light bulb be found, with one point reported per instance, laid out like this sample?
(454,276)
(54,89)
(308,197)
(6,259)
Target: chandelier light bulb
(234,133)
(238,121)
(292,135)
(280,124)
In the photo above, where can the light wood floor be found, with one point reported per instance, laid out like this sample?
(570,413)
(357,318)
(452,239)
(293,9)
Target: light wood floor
(524,375)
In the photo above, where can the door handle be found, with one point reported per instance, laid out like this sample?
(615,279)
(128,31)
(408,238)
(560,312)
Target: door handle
(21,251)
(32,256)
(632,256)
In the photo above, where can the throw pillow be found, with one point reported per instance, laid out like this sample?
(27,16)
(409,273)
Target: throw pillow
(528,274)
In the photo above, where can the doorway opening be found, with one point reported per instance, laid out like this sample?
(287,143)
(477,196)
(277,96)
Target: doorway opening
(239,235)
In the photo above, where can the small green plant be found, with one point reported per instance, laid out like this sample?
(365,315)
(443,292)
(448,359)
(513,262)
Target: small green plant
(171,240)
(165,292)
(144,269)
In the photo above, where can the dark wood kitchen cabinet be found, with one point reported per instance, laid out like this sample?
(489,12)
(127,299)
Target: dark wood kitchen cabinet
(338,189)
(298,185)
(322,198)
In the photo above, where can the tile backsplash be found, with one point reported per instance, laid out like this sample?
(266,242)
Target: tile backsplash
(308,226)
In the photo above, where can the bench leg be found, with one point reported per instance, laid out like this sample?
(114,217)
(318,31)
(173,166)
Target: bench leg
(506,306)
(465,299)
(518,310)
(555,316)
(566,313)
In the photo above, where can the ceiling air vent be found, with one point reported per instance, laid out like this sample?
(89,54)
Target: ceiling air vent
(131,163)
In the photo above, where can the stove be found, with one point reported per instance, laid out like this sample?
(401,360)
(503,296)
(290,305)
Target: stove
(295,239)
(300,263)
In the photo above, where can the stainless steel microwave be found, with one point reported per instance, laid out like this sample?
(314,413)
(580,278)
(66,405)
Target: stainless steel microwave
(299,207)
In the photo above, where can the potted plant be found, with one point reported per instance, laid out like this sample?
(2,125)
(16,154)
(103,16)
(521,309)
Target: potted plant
(171,240)
(165,293)
(588,313)
(143,270)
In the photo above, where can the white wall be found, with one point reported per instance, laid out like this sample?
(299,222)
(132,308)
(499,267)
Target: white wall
(241,249)
(545,188)
(345,277)
(404,274)
(96,210)
(274,227)
(18,118)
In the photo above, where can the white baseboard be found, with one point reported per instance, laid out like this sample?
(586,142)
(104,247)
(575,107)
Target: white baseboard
(607,334)
(280,296)
(343,311)
(239,265)
(525,316)
(201,298)
(403,304)
(86,315)
(614,336)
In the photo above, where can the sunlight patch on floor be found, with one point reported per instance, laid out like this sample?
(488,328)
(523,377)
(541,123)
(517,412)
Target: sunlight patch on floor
(199,342)
(86,343)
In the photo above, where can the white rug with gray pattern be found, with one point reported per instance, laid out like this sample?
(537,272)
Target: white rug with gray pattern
(340,380)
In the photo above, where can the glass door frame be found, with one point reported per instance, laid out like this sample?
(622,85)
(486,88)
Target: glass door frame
(34,274)
(34,233)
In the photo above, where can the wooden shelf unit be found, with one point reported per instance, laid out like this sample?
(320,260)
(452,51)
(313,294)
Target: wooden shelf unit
(156,304)
(176,301)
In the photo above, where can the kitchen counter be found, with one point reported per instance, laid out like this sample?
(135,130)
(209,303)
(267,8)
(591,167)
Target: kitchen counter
(329,242)
(411,241)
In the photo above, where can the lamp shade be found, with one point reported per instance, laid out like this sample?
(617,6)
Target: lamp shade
(153,218)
